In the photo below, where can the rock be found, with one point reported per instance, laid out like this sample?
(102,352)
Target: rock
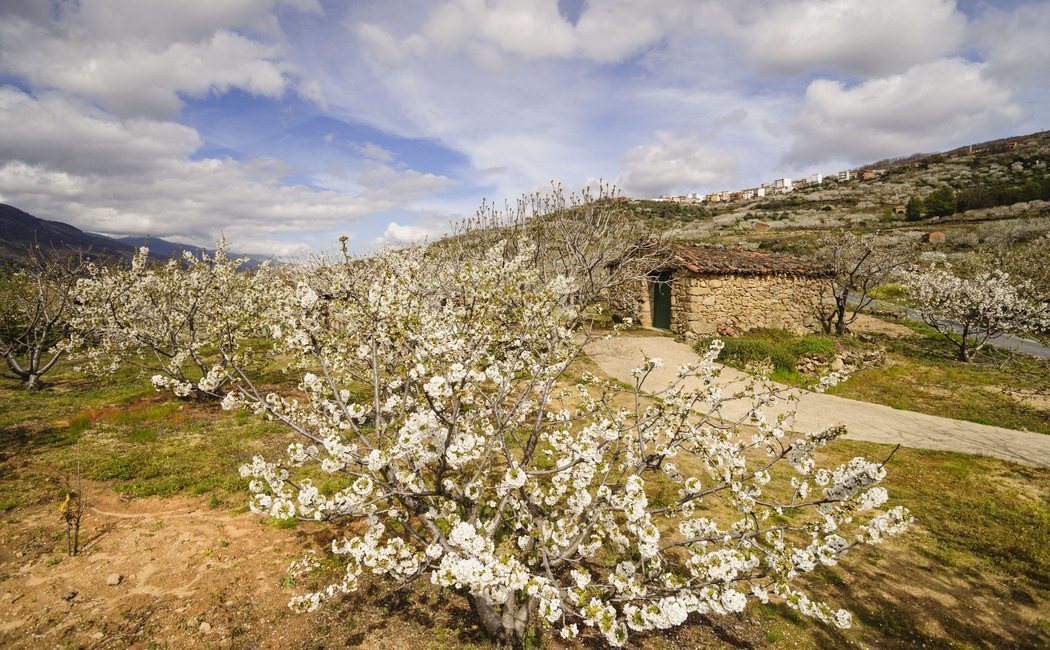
(71,595)
(20,554)
(837,364)
(205,628)
(114,579)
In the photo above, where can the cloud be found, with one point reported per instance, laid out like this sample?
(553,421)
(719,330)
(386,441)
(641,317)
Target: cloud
(870,38)
(137,57)
(789,36)
(375,152)
(929,106)
(1016,44)
(78,138)
(67,161)
(405,235)
(606,31)
(676,163)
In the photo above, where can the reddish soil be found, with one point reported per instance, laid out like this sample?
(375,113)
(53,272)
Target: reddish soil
(190,574)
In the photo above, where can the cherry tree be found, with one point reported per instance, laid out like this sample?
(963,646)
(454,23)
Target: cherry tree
(970,309)
(438,401)
(36,304)
(184,320)
(857,264)
(590,236)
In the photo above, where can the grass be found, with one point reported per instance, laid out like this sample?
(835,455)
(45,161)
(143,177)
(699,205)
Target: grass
(974,572)
(921,374)
(780,348)
(139,442)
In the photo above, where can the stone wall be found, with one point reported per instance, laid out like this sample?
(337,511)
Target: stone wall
(705,304)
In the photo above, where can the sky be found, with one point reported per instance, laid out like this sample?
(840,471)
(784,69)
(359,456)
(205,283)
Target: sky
(285,124)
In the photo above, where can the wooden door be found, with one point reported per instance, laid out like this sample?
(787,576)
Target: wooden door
(661,292)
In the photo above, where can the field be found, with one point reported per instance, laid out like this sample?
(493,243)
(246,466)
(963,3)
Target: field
(165,510)
(917,372)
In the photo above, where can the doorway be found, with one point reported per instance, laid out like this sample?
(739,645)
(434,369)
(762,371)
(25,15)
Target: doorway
(661,293)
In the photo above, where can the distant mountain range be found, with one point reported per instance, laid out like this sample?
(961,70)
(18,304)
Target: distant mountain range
(20,230)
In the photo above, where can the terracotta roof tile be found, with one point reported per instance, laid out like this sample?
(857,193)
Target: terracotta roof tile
(739,261)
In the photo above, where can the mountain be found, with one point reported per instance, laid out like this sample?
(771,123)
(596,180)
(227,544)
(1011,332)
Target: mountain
(160,247)
(165,249)
(19,230)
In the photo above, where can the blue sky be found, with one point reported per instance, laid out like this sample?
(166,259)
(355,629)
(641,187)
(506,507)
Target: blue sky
(287,123)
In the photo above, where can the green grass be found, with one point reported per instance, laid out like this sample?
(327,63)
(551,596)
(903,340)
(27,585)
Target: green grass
(921,374)
(974,570)
(140,442)
(780,348)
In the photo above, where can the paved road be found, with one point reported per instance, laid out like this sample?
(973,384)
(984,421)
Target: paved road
(864,421)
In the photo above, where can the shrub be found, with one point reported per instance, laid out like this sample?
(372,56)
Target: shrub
(779,347)
(742,351)
(822,347)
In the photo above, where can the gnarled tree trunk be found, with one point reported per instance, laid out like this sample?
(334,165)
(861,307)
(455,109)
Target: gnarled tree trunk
(505,623)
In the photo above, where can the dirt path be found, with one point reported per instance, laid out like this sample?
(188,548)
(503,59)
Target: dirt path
(872,422)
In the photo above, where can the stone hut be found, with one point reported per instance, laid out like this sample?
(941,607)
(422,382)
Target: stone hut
(935,237)
(705,291)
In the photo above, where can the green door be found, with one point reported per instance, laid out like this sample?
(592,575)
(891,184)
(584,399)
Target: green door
(661,292)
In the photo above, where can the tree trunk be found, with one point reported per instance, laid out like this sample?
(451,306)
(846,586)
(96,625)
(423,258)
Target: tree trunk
(33,381)
(505,624)
(965,353)
(840,313)
(840,324)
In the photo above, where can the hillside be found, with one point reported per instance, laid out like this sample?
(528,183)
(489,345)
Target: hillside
(1005,182)
(20,230)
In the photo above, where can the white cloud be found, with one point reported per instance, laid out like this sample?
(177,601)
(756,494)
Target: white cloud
(1016,44)
(136,57)
(405,235)
(858,36)
(375,152)
(927,107)
(676,163)
(79,138)
(606,30)
(791,36)
(65,161)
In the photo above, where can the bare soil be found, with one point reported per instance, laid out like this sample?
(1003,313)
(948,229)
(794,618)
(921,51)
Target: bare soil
(865,324)
(189,574)
(194,576)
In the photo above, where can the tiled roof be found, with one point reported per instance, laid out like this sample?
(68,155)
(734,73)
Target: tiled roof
(739,261)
